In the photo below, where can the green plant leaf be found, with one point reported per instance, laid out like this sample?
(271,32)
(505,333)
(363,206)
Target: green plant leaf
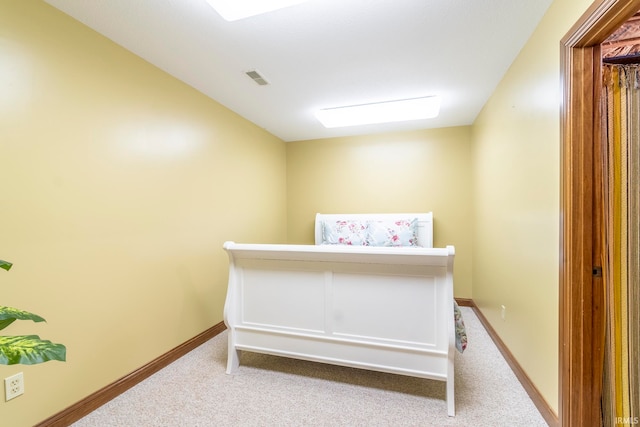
(10,314)
(25,349)
(6,322)
(29,350)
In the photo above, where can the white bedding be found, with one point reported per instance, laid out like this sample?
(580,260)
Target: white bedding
(423,225)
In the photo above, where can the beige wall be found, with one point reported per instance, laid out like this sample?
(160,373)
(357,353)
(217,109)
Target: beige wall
(419,171)
(516,191)
(119,186)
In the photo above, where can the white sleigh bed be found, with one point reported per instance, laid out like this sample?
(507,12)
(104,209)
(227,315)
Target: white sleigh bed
(388,309)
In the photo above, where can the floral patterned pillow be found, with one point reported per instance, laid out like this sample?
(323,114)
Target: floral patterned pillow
(393,233)
(461,330)
(344,233)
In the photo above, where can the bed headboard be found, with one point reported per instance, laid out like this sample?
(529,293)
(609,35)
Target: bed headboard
(424,223)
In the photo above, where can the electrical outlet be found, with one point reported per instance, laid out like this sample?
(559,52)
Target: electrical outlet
(503,313)
(13,386)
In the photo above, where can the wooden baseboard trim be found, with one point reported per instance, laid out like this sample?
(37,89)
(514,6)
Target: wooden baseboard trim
(545,410)
(92,402)
(465,302)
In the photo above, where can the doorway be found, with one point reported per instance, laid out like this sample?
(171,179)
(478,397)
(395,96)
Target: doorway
(582,250)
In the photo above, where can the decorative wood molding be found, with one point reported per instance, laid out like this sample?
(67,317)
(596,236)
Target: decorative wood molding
(581,215)
(92,402)
(465,302)
(601,20)
(577,388)
(547,413)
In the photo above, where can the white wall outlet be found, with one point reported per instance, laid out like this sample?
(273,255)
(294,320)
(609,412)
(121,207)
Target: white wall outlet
(503,312)
(13,386)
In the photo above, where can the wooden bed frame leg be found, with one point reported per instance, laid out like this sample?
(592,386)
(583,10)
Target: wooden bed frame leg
(233,357)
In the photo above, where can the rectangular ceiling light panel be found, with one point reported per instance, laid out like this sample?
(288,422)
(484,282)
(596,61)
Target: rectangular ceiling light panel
(233,10)
(383,112)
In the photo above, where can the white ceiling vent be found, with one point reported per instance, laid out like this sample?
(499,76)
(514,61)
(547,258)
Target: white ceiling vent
(255,75)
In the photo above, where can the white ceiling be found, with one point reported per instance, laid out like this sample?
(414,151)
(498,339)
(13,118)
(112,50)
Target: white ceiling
(326,53)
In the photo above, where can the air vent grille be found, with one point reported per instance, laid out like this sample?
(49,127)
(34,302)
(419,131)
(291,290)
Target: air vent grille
(256,77)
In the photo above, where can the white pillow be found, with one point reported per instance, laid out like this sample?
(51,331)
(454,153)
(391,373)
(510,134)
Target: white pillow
(402,232)
(343,232)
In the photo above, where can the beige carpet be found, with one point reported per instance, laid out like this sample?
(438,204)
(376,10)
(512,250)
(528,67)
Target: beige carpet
(274,391)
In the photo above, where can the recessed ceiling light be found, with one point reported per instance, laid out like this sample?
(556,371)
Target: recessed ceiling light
(382,112)
(232,10)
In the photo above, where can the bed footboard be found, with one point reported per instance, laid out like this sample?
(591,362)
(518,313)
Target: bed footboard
(382,309)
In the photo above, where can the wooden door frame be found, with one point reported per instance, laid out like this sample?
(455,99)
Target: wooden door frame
(582,214)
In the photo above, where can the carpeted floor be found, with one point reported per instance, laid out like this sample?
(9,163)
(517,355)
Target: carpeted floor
(270,391)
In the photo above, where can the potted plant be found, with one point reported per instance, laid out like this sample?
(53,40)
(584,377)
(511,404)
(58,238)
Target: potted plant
(25,349)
